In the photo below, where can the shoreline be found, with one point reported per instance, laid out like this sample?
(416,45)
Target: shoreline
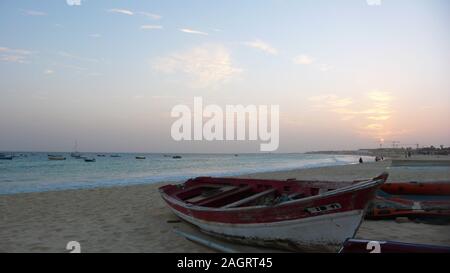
(135,181)
(134,218)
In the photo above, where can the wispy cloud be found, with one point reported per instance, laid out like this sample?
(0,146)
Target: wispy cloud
(121,11)
(263,46)
(34,13)
(373,2)
(205,66)
(192,31)
(145,27)
(14,55)
(153,16)
(368,114)
(73,2)
(303,59)
(49,72)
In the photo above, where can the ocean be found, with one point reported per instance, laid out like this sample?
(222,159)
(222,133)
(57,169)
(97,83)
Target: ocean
(33,172)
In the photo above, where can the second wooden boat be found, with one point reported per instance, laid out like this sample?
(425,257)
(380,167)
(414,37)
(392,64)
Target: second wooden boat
(417,188)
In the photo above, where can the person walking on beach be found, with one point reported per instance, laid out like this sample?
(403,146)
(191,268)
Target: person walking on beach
(360,160)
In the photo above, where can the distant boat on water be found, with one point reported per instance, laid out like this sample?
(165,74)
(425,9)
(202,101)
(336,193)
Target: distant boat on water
(140,157)
(115,155)
(6,157)
(56,157)
(176,157)
(101,155)
(89,160)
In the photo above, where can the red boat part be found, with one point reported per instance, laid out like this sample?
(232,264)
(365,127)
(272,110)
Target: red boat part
(416,188)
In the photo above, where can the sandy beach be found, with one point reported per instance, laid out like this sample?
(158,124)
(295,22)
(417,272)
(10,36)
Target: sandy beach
(135,219)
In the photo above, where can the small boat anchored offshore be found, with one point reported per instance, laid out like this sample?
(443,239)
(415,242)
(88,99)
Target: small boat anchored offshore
(140,157)
(6,157)
(56,157)
(291,214)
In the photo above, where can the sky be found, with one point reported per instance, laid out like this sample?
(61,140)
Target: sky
(345,74)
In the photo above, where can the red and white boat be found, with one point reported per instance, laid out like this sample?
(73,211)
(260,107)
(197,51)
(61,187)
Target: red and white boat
(299,215)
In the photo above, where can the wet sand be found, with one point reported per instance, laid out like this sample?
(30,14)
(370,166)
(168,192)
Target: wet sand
(135,219)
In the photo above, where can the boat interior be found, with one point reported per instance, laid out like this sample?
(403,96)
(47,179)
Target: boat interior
(233,193)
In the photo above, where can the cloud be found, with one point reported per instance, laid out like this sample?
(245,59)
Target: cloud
(151,27)
(151,15)
(14,55)
(303,59)
(73,2)
(192,31)
(121,11)
(373,2)
(49,72)
(34,13)
(205,66)
(13,59)
(263,46)
(380,96)
(370,114)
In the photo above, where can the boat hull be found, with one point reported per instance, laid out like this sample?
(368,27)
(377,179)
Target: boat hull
(307,234)
(316,223)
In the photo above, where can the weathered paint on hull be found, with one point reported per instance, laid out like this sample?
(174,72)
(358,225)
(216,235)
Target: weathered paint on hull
(320,233)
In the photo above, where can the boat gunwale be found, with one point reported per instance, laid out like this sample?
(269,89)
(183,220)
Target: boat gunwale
(364,184)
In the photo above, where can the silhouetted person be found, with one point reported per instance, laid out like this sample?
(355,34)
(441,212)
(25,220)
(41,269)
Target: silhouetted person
(360,160)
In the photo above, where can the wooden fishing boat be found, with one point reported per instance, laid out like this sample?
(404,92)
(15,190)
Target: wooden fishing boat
(89,160)
(383,208)
(140,157)
(416,188)
(367,246)
(299,215)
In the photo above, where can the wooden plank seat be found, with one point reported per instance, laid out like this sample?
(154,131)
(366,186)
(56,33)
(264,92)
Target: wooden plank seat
(231,195)
(188,193)
(249,199)
(213,192)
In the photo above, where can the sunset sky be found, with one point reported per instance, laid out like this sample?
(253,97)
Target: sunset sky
(346,74)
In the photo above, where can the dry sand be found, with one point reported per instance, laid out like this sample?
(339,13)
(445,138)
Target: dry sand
(134,218)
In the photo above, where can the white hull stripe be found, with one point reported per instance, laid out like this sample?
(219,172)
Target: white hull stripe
(332,228)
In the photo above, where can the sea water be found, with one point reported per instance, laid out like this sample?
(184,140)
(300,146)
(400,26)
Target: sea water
(33,172)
